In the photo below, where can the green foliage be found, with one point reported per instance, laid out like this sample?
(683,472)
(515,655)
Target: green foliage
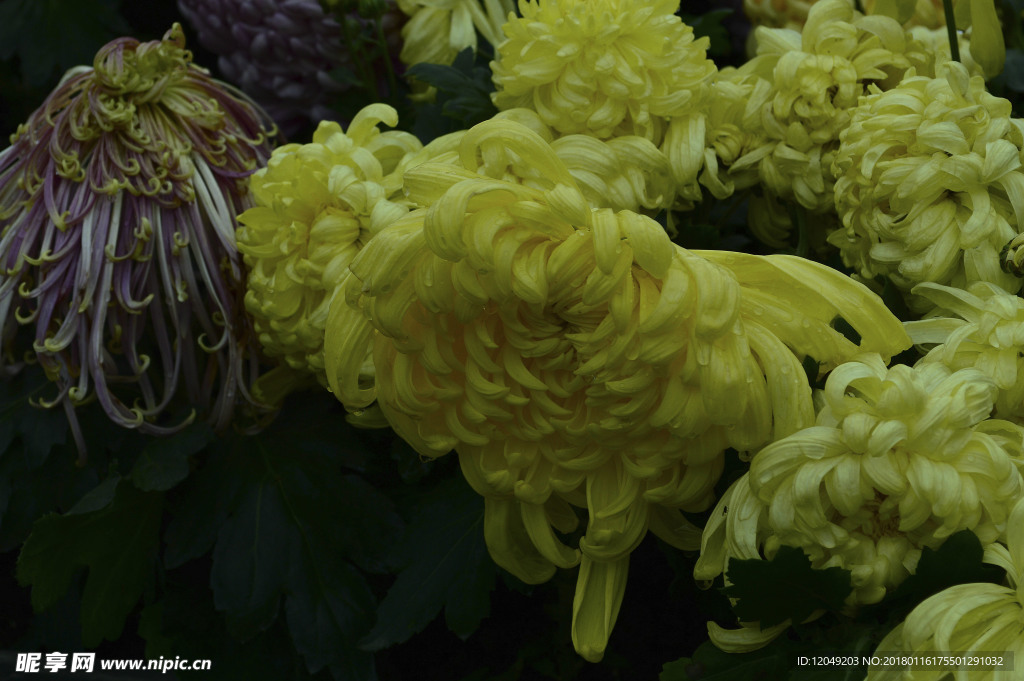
(957,561)
(463,95)
(785,587)
(164,463)
(118,545)
(51,36)
(444,565)
(291,532)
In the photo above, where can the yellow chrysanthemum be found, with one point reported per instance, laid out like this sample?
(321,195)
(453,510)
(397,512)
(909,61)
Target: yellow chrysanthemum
(900,459)
(930,184)
(981,328)
(971,619)
(317,204)
(438,30)
(735,142)
(574,356)
(817,78)
(928,51)
(602,67)
(793,13)
(622,173)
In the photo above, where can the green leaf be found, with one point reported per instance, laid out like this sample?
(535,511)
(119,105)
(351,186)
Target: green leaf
(41,430)
(250,560)
(786,587)
(957,561)
(446,565)
(294,528)
(53,35)
(329,599)
(463,95)
(98,497)
(199,508)
(117,544)
(164,462)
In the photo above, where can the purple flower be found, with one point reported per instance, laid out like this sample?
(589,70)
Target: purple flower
(283,52)
(118,200)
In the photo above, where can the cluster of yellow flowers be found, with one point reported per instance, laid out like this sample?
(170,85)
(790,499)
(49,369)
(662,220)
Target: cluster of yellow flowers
(574,356)
(815,80)
(504,293)
(507,293)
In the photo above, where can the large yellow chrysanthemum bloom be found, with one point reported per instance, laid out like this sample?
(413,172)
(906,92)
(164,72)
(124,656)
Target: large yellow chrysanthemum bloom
(574,356)
(971,619)
(317,204)
(900,459)
(602,67)
(930,184)
(982,328)
(438,30)
(817,78)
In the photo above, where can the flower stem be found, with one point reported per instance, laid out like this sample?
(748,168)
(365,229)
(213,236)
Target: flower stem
(954,43)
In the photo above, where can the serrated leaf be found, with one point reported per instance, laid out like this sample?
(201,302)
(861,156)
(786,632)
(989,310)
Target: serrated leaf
(198,510)
(786,587)
(98,497)
(446,566)
(250,560)
(463,94)
(59,483)
(117,544)
(957,561)
(163,462)
(297,524)
(327,600)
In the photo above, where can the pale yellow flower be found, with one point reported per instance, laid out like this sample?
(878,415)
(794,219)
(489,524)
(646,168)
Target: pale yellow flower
(574,356)
(793,13)
(983,328)
(899,459)
(622,173)
(317,204)
(438,30)
(602,67)
(930,185)
(735,143)
(817,78)
(971,619)
(928,51)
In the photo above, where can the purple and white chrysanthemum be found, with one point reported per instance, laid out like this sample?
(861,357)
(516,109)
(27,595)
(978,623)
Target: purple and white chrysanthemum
(118,200)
